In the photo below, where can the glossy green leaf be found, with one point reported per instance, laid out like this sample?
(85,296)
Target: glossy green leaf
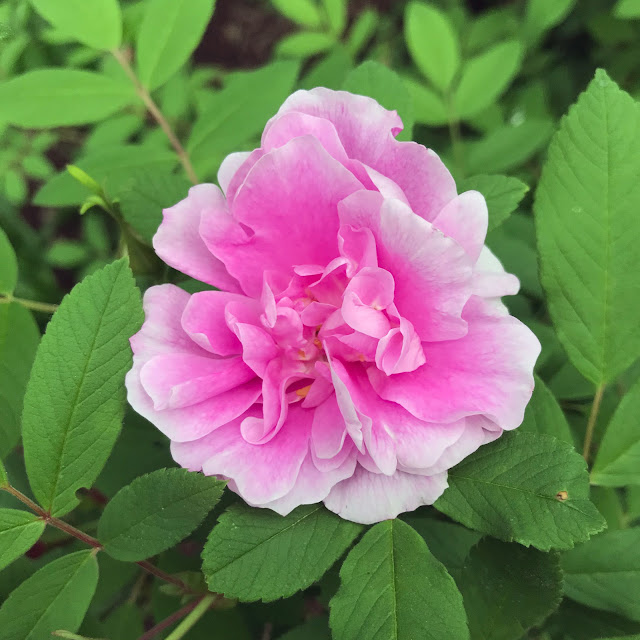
(507,589)
(46,98)
(526,488)
(75,398)
(618,460)
(391,587)
(432,42)
(19,531)
(304,44)
(19,337)
(96,23)
(382,84)
(502,193)
(302,12)
(544,415)
(485,77)
(604,573)
(588,231)
(8,266)
(156,511)
(627,9)
(256,554)
(170,32)
(55,597)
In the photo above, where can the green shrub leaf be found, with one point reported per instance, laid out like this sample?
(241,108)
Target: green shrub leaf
(19,531)
(302,12)
(8,266)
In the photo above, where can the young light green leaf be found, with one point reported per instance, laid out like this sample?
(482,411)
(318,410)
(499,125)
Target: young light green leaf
(112,168)
(4,479)
(304,44)
(618,460)
(170,32)
(66,254)
(337,14)
(485,77)
(8,266)
(19,337)
(256,554)
(627,9)
(542,15)
(604,573)
(502,193)
(302,12)
(146,195)
(15,186)
(46,98)
(508,589)
(588,232)
(526,488)
(54,597)
(75,398)
(428,106)
(362,31)
(19,531)
(544,415)
(155,512)
(391,587)
(382,84)
(96,23)
(433,43)
(330,72)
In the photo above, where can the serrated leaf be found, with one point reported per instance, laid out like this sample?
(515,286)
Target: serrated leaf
(588,231)
(47,98)
(627,9)
(526,488)
(156,511)
(604,573)
(376,81)
(74,403)
(8,266)
(432,43)
(19,531)
(502,193)
(169,33)
(256,554)
(618,461)
(19,337)
(486,76)
(146,195)
(508,589)
(96,23)
(391,587)
(302,12)
(112,168)
(55,597)
(544,415)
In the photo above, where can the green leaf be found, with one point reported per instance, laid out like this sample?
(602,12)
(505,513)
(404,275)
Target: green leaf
(627,9)
(542,15)
(525,488)
(37,166)
(75,398)
(337,13)
(96,23)
(55,597)
(314,629)
(330,72)
(502,193)
(19,531)
(15,187)
(111,167)
(508,589)
(148,193)
(302,12)
(155,512)
(47,98)
(544,415)
(304,44)
(4,480)
(115,131)
(428,106)
(8,266)
(169,34)
(486,76)
(573,621)
(391,587)
(67,254)
(233,115)
(376,81)
(618,460)
(19,337)
(588,231)
(256,554)
(432,43)
(362,31)
(604,573)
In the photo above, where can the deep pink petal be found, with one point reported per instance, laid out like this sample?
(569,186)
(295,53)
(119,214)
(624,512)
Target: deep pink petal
(400,350)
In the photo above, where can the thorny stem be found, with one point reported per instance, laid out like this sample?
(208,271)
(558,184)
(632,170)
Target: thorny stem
(170,620)
(87,539)
(157,115)
(45,307)
(591,423)
(199,610)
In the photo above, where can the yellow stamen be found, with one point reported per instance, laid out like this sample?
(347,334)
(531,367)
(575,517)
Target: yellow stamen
(302,393)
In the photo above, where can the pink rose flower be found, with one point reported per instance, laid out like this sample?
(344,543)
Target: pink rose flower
(357,348)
